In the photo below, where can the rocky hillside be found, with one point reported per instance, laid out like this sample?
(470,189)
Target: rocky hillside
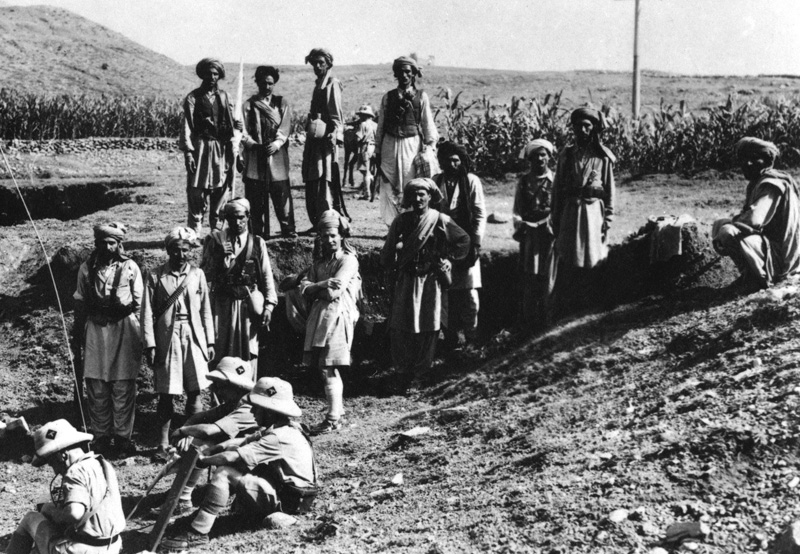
(47,50)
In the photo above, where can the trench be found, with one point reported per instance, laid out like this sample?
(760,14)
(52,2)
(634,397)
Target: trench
(66,199)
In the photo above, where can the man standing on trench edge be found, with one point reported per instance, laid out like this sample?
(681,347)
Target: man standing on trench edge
(463,201)
(324,132)
(107,300)
(583,208)
(243,294)
(763,240)
(206,142)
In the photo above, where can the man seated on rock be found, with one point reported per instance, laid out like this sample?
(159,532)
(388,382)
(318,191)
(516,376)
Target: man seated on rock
(269,471)
(85,514)
(233,418)
(764,238)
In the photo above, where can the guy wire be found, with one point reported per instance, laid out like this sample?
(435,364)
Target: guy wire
(55,288)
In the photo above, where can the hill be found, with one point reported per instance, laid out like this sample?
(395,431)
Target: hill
(48,50)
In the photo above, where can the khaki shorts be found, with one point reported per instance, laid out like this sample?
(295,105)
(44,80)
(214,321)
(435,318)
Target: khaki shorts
(253,492)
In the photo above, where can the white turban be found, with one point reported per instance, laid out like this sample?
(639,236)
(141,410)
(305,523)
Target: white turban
(181,234)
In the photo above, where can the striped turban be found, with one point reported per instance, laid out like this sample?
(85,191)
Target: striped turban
(235,205)
(110,230)
(181,234)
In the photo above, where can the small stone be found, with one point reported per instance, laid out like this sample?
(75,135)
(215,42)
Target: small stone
(691,546)
(650,529)
(278,520)
(9,490)
(27,458)
(494,217)
(618,516)
(128,461)
(602,536)
(397,480)
(678,532)
(658,550)
(794,482)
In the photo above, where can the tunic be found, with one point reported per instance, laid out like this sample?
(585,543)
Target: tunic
(231,279)
(583,198)
(468,210)
(280,454)
(177,366)
(113,348)
(267,121)
(417,303)
(334,313)
(207,133)
(532,222)
(772,210)
(320,154)
(397,153)
(85,483)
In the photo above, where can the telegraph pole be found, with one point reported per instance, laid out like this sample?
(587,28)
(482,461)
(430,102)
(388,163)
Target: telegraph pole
(636,102)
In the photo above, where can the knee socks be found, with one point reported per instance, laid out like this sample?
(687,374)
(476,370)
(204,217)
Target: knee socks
(334,389)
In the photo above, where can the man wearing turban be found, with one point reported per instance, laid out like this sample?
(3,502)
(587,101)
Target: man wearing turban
(405,127)
(178,330)
(107,302)
(267,123)
(324,132)
(533,229)
(583,208)
(419,252)
(763,239)
(463,201)
(243,294)
(331,288)
(206,142)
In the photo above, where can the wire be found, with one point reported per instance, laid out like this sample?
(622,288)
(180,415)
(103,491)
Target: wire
(55,289)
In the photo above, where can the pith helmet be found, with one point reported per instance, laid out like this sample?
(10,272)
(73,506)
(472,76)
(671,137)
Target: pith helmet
(54,437)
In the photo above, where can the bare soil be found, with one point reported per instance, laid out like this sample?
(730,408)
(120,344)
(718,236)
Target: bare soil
(674,404)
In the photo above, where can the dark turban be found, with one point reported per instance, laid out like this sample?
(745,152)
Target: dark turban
(110,230)
(405,60)
(447,149)
(752,145)
(591,114)
(267,71)
(207,63)
(324,52)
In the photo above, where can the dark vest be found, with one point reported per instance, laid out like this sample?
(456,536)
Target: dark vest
(209,117)
(403,116)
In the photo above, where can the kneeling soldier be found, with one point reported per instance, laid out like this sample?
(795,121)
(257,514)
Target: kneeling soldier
(271,470)
(85,514)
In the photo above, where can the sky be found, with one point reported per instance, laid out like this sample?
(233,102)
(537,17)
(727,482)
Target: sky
(720,37)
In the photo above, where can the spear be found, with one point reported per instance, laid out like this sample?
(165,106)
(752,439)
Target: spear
(237,135)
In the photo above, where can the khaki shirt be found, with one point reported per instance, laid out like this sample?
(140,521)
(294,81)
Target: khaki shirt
(85,483)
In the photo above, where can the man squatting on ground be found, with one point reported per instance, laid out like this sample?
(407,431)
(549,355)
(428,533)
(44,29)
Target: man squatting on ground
(107,300)
(260,469)
(583,208)
(178,331)
(418,254)
(206,142)
(332,287)
(243,294)
(533,230)
(463,201)
(763,240)
(85,514)
(405,128)
(267,120)
(231,419)
(320,152)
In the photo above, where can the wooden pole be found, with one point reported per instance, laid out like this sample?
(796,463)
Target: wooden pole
(636,102)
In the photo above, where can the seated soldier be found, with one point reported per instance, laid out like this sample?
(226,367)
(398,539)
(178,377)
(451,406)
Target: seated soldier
(269,471)
(85,514)
(232,419)
(764,238)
